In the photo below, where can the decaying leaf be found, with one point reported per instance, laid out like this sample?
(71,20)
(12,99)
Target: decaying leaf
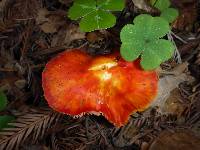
(12,11)
(188,14)
(66,2)
(94,36)
(50,22)
(144,5)
(174,104)
(29,37)
(198,58)
(20,83)
(167,84)
(67,34)
(179,140)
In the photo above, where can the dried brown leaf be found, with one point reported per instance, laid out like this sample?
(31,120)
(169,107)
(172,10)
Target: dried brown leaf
(198,58)
(174,104)
(144,5)
(66,2)
(50,22)
(66,35)
(167,84)
(188,15)
(13,11)
(180,139)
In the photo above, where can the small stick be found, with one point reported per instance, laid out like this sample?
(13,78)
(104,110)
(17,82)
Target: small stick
(178,37)
(176,53)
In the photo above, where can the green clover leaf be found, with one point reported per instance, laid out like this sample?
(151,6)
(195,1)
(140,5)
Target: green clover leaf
(144,39)
(95,14)
(4,120)
(3,101)
(151,27)
(160,4)
(170,14)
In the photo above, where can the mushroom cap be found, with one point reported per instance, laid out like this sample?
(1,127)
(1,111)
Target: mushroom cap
(75,83)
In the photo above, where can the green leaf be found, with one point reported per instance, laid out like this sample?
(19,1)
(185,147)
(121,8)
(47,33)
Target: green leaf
(111,5)
(170,14)
(160,4)
(151,27)
(95,14)
(129,34)
(81,8)
(3,101)
(97,20)
(4,120)
(143,39)
(155,53)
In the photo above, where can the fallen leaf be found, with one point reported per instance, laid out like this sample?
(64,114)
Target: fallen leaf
(144,5)
(20,83)
(67,34)
(173,104)
(177,70)
(188,11)
(12,12)
(166,85)
(66,2)
(50,22)
(198,58)
(176,140)
(180,68)
(94,36)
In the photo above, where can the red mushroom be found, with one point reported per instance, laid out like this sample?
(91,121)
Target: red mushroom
(75,83)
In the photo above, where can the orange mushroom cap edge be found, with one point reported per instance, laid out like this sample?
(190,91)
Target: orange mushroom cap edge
(75,83)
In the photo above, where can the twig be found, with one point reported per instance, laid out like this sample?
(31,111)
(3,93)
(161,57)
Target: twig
(7,70)
(195,87)
(177,55)
(101,133)
(178,37)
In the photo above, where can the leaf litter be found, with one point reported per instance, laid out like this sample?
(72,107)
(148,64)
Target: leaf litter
(29,40)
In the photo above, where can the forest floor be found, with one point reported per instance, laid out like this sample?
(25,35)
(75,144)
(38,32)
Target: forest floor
(34,31)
